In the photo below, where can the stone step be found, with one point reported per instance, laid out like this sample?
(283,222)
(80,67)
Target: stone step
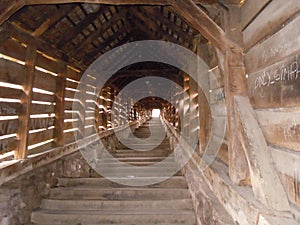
(137,154)
(85,205)
(138,159)
(127,169)
(174,182)
(97,193)
(103,217)
(149,163)
(157,151)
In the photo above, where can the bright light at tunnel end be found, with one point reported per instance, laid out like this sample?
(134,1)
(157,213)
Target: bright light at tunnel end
(156,51)
(155,113)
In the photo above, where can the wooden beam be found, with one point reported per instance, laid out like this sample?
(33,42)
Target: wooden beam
(159,17)
(201,22)
(96,34)
(144,73)
(107,42)
(266,184)
(74,31)
(53,19)
(8,8)
(234,85)
(42,46)
(59,105)
(96,55)
(24,115)
(153,25)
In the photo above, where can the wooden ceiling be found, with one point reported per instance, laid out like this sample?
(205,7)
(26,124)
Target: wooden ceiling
(81,32)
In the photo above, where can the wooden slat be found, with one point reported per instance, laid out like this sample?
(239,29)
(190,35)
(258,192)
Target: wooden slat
(8,127)
(40,123)
(39,137)
(11,72)
(47,63)
(69,137)
(73,74)
(272,17)
(277,85)
(42,97)
(275,48)
(250,9)
(9,108)
(71,84)
(13,49)
(44,81)
(281,128)
(24,115)
(6,92)
(7,145)
(69,94)
(42,109)
(90,131)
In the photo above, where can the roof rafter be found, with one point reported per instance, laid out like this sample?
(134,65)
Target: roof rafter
(52,20)
(108,25)
(160,18)
(74,31)
(201,22)
(107,42)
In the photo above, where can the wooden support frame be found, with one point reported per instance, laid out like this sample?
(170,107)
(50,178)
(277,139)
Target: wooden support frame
(201,22)
(24,116)
(59,107)
(266,184)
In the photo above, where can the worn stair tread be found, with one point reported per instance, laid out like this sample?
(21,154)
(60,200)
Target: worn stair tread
(113,217)
(175,181)
(55,204)
(93,201)
(117,212)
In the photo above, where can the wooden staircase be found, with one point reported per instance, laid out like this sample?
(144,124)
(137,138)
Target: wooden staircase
(89,201)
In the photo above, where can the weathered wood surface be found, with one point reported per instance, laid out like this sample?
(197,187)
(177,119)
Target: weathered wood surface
(201,22)
(36,138)
(290,175)
(277,85)
(59,105)
(281,128)
(44,81)
(24,115)
(269,20)
(13,49)
(282,44)
(250,9)
(266,184)
(10,72)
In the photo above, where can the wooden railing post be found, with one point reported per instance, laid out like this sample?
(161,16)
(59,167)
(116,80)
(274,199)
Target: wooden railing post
(59,109)
(24,115)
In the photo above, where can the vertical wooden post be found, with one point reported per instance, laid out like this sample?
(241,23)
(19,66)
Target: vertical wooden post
(24,116)
(59,109)
(82,109)
(235,84)
(186,105)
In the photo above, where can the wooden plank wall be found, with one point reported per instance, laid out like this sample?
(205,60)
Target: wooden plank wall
(46,117)
(52,120)
(271,38)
